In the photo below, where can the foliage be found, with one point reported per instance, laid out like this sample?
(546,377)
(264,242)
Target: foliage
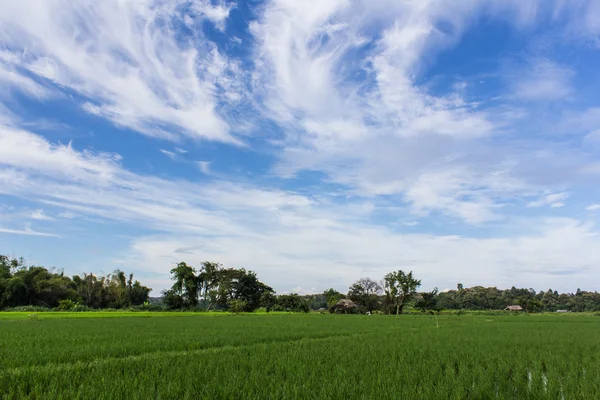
(67,304)
(332,297)
(428,301)
(215,287)
(237,306)
(27,309)
(23,285)
(268,300)
(399,289)
(291,302)
(366,292)
(491,298)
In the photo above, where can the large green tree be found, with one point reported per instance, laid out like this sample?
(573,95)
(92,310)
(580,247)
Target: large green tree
(399,288)
(332,297)
(365,292)
(184,292)
(250,290)
(429,301)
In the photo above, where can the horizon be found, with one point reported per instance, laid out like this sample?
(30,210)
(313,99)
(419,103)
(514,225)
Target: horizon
(314,143)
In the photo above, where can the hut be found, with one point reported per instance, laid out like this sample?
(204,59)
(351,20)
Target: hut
(345,306)
(513,308)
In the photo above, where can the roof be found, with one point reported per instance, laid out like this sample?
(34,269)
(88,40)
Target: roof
(514,308)
(345,303)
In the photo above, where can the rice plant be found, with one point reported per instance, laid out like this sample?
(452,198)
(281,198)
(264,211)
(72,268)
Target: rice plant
(300,357)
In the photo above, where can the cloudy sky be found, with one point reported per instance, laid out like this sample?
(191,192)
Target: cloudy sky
(315,142)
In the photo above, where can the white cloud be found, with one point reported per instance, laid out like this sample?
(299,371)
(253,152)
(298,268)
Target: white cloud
(216,13)
(169,154)
(542,80)
(553,200)
(289,239)
(557,254)
(26,231)
(67,215)
(39,214)
(124,57)
(349,106)
(204,167)
(11,80)
(593,136)
(96,184)
(387,134)
(593,207)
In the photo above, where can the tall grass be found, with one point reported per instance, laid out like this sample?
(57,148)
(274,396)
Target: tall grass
(301,357)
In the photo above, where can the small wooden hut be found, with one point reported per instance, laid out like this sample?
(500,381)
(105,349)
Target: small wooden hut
(513,308)
(345,306)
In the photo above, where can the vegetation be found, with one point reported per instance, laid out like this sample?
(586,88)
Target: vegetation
(215,288)
(400,288)
(491,298)
(22,285)
(302,356)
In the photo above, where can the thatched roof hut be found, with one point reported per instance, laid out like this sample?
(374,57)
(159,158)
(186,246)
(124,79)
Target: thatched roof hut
(344,305)
(514,308)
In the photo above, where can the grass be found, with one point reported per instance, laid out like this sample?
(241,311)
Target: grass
(179,355)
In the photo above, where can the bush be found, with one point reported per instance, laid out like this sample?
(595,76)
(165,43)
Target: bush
(82,307)
(65,305)
(150,307)
(237,306)
(27,309)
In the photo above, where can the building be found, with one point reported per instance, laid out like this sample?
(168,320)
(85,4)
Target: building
(344,305)
(513,308)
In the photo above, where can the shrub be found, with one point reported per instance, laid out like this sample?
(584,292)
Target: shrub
(67,304)
(237,306)
(82,307)
(27,309)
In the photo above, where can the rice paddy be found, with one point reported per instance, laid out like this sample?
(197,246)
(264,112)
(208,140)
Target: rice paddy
(270,356)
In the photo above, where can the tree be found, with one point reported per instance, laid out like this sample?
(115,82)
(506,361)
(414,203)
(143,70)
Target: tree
(332,297)
(237,306)
(399,289)
(428,301)
(139,294)
(250,290)
(185,286)
(38,286)
(292,302)
(268,300)
(365,292)
(5,267)
(530,304)
(90,289)
(207,280)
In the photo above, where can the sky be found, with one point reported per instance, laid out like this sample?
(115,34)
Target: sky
(314,142)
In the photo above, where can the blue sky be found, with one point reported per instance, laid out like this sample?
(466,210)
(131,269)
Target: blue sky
(315,142)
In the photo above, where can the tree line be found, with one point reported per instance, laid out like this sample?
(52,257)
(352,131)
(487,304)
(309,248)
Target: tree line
(29,285)
(214,287)
(399,290)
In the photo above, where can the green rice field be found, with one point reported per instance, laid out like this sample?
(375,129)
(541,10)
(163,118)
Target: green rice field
(292,356)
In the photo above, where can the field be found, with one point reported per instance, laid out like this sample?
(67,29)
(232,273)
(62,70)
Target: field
(179,355)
